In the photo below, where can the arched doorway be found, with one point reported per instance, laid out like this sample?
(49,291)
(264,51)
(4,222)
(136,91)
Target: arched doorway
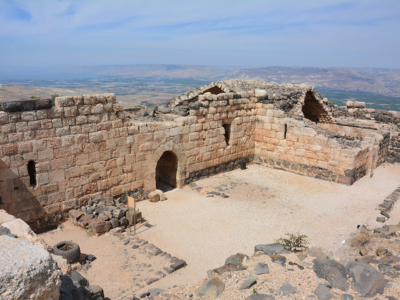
(166,169)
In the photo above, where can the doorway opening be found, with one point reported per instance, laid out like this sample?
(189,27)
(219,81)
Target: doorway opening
(284,134)
(313,110)
(167,167)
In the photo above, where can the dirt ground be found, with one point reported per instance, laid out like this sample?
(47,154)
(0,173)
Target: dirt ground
(263,205)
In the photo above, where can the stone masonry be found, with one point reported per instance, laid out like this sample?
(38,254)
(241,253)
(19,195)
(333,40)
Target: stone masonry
(89,148)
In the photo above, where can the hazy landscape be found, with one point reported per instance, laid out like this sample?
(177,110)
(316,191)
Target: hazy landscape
(156,84)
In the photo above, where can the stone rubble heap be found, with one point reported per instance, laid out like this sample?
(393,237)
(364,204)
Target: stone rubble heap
(99,216)
(387,205)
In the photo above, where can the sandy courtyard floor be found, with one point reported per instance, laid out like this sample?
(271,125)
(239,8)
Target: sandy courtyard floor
(263,205)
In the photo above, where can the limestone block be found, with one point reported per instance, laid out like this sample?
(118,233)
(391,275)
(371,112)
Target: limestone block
(64,101)
(111,98)
(97,109)
(3,117)
(359,104)
(118,107)
(70,111)
(28,271)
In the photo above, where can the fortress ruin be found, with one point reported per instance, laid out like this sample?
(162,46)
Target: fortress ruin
(53,159)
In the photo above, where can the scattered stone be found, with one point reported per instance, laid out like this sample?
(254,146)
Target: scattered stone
(364,251)
(347,297)
(236,259)
(156,292)
(154,197)
(248,283)
(367,281)
(151,280)
(323,293)
(297,265)
(261,268)
(229,268)
(332,271)
(278,259)
(212,288)
(381,219)
(381,251)
(98,226)
(91,257)
(75,214)
(170,268)
(286,290)
(269,249)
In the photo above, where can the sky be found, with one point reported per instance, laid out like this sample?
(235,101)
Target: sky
(52,34)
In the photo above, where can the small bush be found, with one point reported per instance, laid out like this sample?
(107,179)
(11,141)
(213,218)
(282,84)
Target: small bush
(36,97)
(293,242)
(254,291)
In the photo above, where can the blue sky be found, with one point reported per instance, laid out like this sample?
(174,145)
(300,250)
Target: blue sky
(239,33)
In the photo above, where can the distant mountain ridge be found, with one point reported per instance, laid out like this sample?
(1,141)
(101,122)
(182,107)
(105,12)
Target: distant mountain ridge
(379,81)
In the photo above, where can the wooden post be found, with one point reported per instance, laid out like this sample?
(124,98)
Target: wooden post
(129,223)
(134,216)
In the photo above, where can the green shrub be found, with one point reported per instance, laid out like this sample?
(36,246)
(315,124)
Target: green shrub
(293,242)
(36,97)
(254,291)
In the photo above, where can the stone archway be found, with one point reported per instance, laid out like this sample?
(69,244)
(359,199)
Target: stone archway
(166,171)
(181,173)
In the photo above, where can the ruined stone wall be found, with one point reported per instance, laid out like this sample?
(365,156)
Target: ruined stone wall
(301,147)
(87,148)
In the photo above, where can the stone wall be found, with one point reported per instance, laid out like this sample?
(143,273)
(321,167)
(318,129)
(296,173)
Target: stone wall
(88,148)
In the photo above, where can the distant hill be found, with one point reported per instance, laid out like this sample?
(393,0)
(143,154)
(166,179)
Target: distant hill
(379,81)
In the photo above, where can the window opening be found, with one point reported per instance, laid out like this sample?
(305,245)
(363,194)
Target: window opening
(284,134)
(32,173)
(227,133)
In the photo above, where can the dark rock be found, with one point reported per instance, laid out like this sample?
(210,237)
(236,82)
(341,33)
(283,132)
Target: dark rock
(236,259)
(347,297)
(323,293)
(381,219)
(144,295)
(229,268)
(278,259)
(286,290)
(90,257)
(269,249)
(212,288)
(391,298)
(248,283)
(297,265)
(4,231)
(76,277)
(175,266)
(332,271)
(42,104)
(367,281)
(97,291)
(261,269)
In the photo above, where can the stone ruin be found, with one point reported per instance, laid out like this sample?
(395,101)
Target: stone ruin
(88,149)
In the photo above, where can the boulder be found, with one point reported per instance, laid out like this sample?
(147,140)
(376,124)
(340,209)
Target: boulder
(269,249)
(27,271)
(331,271)
(212,288)
(350,104)
(359,104)
(347,297)
(260,93)
(367,281)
